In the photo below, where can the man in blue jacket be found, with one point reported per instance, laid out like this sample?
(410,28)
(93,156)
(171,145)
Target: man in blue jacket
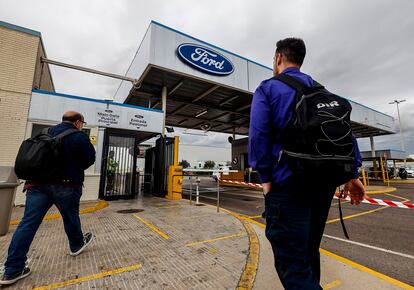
(296,213)
(78,154)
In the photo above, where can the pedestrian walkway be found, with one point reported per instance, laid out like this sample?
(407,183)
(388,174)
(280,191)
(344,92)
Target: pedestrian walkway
(154,243)
(168,245)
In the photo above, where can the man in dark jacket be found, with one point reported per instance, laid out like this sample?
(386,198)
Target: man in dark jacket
(295,212)
(79,154)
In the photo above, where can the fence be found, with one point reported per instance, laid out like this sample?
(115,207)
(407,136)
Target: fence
(195,173)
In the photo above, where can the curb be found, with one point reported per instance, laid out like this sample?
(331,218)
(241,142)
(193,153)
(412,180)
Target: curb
(248,275)
(392,189)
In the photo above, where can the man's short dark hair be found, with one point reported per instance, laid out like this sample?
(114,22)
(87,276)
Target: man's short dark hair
(72,118)
(293,49)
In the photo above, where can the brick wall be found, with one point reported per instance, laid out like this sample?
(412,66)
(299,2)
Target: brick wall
(42,78)
(18,52)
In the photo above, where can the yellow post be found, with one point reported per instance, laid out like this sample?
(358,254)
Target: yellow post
(175,182)
(176,142)
(382,170)
(364,178)
(175,175)
(388,179)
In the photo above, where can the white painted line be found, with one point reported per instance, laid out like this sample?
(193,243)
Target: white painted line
(370,247)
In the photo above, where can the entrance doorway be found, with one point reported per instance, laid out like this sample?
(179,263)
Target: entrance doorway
(119,158)
(157,161)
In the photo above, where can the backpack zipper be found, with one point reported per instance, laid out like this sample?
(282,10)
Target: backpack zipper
(315,157)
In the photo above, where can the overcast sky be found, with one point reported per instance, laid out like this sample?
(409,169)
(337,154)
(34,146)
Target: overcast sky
(362,50)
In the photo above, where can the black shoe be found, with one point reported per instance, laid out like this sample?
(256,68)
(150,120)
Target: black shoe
(8,280)
(87,239)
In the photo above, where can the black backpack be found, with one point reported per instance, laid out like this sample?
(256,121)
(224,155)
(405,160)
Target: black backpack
(318,142)
(40,157)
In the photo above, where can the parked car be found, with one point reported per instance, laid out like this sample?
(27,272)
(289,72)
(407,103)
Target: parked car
(410,171)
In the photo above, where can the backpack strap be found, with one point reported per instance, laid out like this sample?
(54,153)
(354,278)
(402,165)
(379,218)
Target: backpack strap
(45,131)
(66,133)
(291,81)
(296,84)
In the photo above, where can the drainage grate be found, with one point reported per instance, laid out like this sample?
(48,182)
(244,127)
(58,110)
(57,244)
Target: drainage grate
(131,210)
(200,204)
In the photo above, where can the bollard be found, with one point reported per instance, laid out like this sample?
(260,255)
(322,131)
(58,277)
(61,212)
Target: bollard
(191,190)
(218,195)
(197,192)
(139,184)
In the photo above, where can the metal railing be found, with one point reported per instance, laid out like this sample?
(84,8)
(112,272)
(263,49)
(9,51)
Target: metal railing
(190,173)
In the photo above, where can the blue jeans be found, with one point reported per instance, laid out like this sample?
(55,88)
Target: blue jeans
(39,199)
(295,221)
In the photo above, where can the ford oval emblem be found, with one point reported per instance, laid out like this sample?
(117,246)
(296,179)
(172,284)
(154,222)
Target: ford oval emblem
(205,59)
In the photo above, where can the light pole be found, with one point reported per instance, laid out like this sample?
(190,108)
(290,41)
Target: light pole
(399,122)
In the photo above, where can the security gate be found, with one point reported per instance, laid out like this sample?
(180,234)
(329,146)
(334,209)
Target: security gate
(118,172)
(157,161)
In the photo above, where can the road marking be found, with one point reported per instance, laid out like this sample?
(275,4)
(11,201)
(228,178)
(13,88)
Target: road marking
(215,239)
(248,275)
(370,247)
(396,196)
(342,259)
(89,278)
(262,225)
(255,216)
(367,270)
(100,205)
(332,284)
(152,227)
(358,214)
(391,189)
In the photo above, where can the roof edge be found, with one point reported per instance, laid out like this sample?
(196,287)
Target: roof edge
(207,43)
(94,100)
(20,29)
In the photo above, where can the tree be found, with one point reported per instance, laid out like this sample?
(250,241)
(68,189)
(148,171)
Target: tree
(209,164)
(184,163)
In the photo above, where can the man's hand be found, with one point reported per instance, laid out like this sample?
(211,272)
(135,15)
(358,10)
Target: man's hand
(266,187)
(356,190)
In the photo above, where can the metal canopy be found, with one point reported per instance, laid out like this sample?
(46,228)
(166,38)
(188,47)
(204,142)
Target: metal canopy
(194,103)
(199,104)
(197,97)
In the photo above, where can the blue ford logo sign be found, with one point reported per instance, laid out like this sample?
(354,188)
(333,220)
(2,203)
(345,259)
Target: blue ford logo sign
(205,59)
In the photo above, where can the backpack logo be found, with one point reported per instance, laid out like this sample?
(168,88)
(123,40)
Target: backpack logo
(327,105)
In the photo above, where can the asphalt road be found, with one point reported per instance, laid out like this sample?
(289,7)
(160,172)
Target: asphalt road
(385,235)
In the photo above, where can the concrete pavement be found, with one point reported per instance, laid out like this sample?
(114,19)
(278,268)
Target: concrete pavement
(336,274)
(169,245)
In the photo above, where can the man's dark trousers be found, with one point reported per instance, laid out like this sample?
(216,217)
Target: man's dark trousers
(39,199)
(295,221)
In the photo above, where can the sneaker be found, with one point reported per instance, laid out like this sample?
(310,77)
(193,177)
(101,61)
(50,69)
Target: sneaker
(8,280)
(87,239)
